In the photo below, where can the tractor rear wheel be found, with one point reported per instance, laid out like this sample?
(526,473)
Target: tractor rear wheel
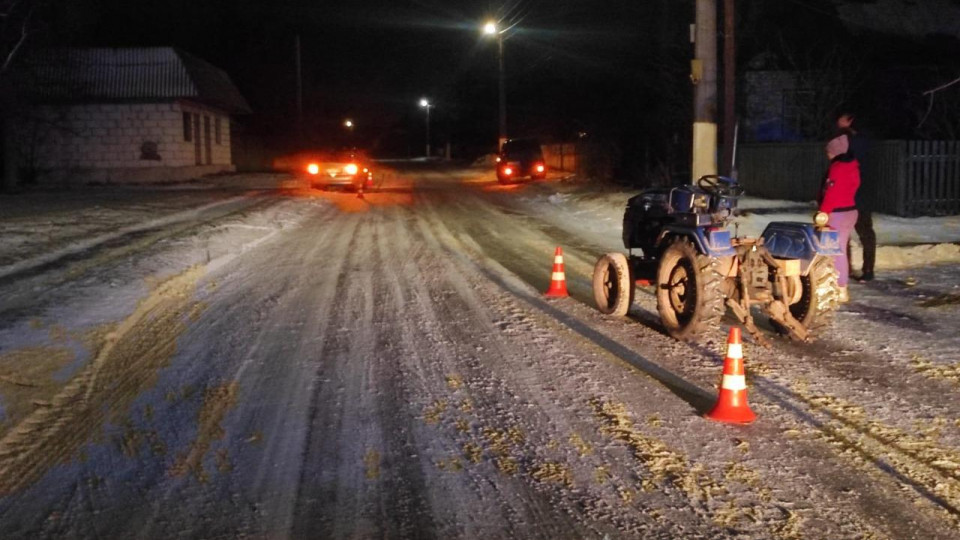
(818,298)
(613,285)
(688,291)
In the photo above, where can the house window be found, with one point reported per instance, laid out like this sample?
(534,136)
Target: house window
(187,128)
(799,113)
(216,129)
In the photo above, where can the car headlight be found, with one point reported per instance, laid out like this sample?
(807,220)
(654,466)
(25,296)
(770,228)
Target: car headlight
(820,219)
(351,169)
(313,168)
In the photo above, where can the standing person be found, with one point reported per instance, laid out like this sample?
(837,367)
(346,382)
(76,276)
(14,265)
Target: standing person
(864,225)
(837,201)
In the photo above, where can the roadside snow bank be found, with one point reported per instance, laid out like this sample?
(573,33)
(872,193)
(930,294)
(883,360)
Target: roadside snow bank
(902,242)
(37,228)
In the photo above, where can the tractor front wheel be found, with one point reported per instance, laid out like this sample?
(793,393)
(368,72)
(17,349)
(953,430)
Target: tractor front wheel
(688,291)
(613,285)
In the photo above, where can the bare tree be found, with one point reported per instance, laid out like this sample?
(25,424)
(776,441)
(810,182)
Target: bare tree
(939,118)
(16,25)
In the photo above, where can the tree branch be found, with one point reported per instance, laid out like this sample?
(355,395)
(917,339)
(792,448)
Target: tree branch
(948,85)
(930,93)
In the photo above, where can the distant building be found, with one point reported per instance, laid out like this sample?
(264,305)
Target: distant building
(123,116)
(782,106)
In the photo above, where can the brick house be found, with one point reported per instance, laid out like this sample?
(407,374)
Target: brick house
(123,116)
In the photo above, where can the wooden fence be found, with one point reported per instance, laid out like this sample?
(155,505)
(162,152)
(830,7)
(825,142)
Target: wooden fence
(563,157)
(904,178)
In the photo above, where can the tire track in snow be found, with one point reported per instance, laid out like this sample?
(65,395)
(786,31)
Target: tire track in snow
(223,312)
(339,497)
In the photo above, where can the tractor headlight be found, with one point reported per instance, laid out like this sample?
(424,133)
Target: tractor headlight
(820,219)
(700,200)
(351,169)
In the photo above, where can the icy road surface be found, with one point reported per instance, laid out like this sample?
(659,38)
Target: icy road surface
(298,364)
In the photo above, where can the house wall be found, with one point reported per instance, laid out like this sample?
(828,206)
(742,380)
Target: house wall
(765,93)
(134,142)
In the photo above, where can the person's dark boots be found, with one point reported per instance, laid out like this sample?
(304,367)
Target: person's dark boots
(866,276)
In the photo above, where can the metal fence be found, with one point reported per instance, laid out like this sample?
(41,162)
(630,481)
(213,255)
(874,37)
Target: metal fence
(904,178)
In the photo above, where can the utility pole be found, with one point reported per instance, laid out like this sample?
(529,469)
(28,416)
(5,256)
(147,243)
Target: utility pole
(428,132)
(704,76)
(503,97)
(729,88)
(299,96)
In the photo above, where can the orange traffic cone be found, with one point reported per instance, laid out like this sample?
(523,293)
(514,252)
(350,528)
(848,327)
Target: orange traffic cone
(360,192)
(732,405)
(558,280)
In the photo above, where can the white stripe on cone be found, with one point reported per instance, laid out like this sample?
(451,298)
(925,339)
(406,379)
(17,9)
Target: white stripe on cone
(734,350)
(557,276)
(558,259)
(734,382)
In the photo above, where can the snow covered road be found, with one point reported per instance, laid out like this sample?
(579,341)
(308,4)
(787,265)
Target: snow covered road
(303,364)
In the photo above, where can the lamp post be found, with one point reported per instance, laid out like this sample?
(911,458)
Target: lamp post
(349,125)
(490,29)
(425,103)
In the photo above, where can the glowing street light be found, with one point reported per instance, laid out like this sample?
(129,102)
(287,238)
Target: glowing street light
(348,123)
(425,103)
(490,29)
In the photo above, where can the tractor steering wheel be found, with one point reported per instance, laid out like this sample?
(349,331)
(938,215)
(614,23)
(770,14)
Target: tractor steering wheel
(720,186)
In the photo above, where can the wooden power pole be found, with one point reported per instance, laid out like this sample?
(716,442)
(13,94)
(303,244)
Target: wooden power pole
(704,76)
(728,167)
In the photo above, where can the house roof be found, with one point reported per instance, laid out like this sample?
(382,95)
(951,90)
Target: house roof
(128,74)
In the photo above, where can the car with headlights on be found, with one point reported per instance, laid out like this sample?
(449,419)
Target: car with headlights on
(347,168)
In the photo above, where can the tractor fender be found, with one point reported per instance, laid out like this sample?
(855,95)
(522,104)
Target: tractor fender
(797,240)
(714,242)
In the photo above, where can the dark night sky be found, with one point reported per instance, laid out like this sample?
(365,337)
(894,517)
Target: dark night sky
(371,60)
(571,65)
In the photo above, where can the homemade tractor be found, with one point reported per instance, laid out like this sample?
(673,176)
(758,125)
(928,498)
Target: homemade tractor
(677,241)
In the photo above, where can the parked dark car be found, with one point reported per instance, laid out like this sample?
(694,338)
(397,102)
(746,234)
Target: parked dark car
(520,158)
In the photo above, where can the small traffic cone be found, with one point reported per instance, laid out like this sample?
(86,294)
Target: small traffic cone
(558,280)
(360,192)
(732,405)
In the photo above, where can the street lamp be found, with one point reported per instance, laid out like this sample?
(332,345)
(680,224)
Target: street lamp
(490,29)
(348,123)
(425,103)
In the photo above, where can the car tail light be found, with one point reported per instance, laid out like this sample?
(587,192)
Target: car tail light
(313,168)
(507,171)
(351,168)
(539,167)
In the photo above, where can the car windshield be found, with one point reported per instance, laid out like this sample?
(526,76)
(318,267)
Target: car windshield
(521,147)
(343,155)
